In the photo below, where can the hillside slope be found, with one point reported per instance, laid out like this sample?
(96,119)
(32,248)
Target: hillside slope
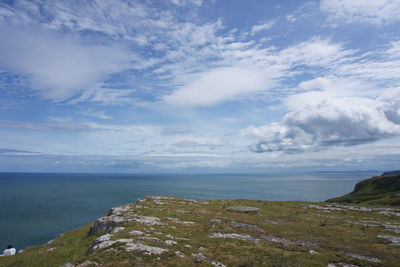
(165,231)
(379,190)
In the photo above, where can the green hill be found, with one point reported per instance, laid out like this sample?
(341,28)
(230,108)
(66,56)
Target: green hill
(380,190)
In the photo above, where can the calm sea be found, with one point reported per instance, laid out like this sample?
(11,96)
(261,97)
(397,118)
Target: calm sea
(35,208)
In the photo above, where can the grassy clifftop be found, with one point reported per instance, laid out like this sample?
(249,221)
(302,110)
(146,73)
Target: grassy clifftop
(164,231)
(379,190)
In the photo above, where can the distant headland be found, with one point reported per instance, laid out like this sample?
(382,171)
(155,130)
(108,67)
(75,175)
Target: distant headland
(378,190)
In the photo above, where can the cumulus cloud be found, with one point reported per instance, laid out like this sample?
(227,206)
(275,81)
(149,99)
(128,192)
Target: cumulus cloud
(361,11)
(58,67)
(320,119)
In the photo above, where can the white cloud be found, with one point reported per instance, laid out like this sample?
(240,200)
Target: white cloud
(261,27)
(58,67)
(379,66)
(187,2)
(361,11)
(340,87)
(314,52)
(103,95)
(321,119)
(96,114)
(291,18)
(208,87)
(219,84)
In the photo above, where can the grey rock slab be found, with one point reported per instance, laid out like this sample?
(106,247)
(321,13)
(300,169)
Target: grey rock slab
(87,263)
(170,242)
(179,254)
(136,232)
(108,223)
(198,258)
(394,239)
(176,220)
(395,195)
(341,264)
(286,242)
(118,229)
(234,236)
(149,249)
(362,257)
(246,226)
(245,209)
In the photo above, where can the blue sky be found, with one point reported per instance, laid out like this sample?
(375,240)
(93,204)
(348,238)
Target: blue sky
(199,85)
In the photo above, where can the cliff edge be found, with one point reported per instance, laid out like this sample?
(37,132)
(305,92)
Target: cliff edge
(378,190)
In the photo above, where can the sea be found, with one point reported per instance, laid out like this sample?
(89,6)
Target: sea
(37,207)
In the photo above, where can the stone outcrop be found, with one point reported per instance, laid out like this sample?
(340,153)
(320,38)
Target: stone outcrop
(118,216)
(235,236)
(245,209)
(198,258)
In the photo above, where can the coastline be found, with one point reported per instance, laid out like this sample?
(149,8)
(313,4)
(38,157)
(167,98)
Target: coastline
(159,229)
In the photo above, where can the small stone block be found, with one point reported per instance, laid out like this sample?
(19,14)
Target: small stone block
(244,209)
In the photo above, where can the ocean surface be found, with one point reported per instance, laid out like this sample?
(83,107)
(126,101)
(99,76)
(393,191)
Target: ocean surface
(37,207)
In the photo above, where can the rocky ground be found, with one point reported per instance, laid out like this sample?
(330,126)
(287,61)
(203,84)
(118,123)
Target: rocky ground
(159,231)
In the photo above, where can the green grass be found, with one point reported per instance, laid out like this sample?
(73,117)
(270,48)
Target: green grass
(377,190)
(72,246)
(336,232)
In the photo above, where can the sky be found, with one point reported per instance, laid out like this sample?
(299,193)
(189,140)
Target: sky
(199,85)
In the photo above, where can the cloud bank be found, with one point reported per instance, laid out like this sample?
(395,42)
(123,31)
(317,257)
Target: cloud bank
(319,119)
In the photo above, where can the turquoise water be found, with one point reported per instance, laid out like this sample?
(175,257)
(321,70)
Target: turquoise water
(37,207)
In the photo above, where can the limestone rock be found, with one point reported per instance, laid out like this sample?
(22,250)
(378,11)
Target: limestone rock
(176,220)
(245,209)
(394,239)
(118,229)
(149,249)
(179,254)
(198,258)
(108,223)
(136,232)
(341,264)
(235,236)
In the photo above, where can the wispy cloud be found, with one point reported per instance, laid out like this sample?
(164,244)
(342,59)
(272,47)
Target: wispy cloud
(362,11)
(15,151)
(261,27)
(104,95)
